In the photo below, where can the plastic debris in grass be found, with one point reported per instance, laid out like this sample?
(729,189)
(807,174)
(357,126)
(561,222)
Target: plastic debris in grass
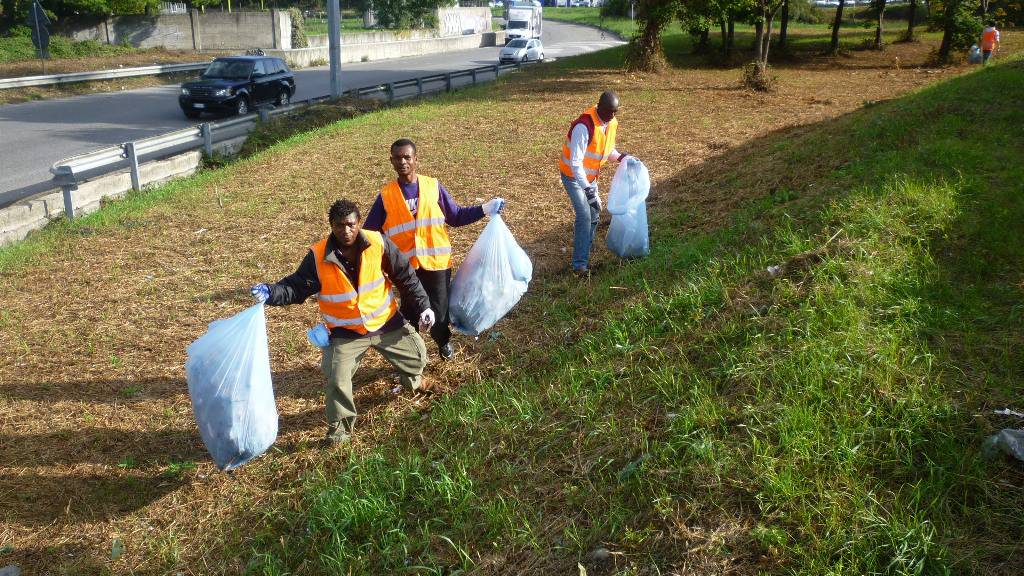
(1009,441)
(627,203)
(228,373)
(491,280)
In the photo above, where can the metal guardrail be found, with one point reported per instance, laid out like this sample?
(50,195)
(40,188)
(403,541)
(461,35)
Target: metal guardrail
(26,81)
(70,172)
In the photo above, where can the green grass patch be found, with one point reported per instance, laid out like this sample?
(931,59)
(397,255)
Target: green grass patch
(823,420)
(19,47)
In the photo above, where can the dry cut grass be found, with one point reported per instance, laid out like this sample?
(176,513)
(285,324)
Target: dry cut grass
(98,441)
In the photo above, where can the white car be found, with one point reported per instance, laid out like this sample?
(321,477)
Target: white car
(521,50)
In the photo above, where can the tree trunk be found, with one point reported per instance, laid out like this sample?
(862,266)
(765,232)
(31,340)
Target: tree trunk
(721,24)
(702,42)
(878,29)
(766,38)
(758,41)
(729,40)
(645,53)
(911,18)
(834,45)
(784,26)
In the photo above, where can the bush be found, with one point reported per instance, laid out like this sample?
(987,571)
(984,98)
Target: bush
(299,39)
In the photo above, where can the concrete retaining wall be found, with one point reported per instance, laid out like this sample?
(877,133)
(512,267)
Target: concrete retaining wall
(302,57)
(18,220)
(194,31)
(459,20)
(321,40)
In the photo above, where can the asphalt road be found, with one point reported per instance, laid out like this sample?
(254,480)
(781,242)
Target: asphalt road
(34,135)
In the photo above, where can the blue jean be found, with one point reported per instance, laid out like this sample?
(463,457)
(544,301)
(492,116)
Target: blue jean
(585,225)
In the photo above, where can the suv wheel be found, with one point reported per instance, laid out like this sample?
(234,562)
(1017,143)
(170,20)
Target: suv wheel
(242,107)
(284,98)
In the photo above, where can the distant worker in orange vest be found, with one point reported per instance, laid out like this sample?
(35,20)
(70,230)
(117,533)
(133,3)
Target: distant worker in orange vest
(989,41)
(353,272)
(412,211)
(589,144)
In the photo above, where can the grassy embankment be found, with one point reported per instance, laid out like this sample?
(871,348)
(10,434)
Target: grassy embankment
(687,412)
(707,414)
(855,32)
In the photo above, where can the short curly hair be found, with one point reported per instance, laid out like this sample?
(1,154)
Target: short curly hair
(341,209)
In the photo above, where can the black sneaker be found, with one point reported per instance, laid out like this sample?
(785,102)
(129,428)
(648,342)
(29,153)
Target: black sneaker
(446,351)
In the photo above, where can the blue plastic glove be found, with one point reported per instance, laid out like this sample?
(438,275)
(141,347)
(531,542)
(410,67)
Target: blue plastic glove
(260,292)
(319,336)
(493,206)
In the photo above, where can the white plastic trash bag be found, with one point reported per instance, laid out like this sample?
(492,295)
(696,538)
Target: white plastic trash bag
(490,281)
(630,186)
(627,234)
(228,373)
(974,55)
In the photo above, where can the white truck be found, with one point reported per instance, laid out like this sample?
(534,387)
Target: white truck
(524,20)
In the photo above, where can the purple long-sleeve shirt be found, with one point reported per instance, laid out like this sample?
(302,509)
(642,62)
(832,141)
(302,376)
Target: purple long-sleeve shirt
(454,215)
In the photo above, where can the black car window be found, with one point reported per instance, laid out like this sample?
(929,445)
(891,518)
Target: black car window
(259,69)
(228,69)
(272,67)
(282,65)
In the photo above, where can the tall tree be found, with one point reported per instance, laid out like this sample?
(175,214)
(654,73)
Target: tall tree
(784,25)
(765,15)
(911,21)
(645,52)
(879,5)
(960,26)
(833,47)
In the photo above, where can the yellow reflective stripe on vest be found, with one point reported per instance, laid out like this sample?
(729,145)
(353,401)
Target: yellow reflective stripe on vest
(382,309)
(395,230)
(338,297)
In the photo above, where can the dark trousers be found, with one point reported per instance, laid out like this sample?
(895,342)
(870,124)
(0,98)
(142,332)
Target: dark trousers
(436,284)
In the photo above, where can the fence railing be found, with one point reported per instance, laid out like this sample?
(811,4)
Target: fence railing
(70,172)
(70,77)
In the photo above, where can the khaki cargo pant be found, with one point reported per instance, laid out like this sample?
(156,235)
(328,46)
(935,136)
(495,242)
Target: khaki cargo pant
(402,347)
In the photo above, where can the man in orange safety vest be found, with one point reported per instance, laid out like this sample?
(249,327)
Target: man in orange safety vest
(589,145)
(989,41)
(353,271)
(413,210)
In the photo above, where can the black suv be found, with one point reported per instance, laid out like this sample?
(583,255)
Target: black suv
(237,84)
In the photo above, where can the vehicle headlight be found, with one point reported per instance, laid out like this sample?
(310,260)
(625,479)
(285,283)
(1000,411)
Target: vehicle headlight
(185,92)
(223,92)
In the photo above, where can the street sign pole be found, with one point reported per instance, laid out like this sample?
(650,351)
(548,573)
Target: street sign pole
(334,44)
(38,22)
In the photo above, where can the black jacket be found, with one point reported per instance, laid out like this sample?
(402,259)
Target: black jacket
(305,282)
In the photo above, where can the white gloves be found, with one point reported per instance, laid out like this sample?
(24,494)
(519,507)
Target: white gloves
(426,320)
(493,206)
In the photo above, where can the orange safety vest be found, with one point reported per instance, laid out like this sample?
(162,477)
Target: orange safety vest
(342,305)
(988,39)
(600,146)
(424,240)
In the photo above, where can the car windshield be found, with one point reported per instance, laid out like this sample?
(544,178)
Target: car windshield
(228,69)
(517,44)
(517,24)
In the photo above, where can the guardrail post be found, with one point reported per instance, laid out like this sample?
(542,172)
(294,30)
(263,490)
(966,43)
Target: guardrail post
(495,71)
(448,82)
(264,114)
(69,207)
(207,132)
(133,162)
(390,88)
(473,75)
(419,86)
